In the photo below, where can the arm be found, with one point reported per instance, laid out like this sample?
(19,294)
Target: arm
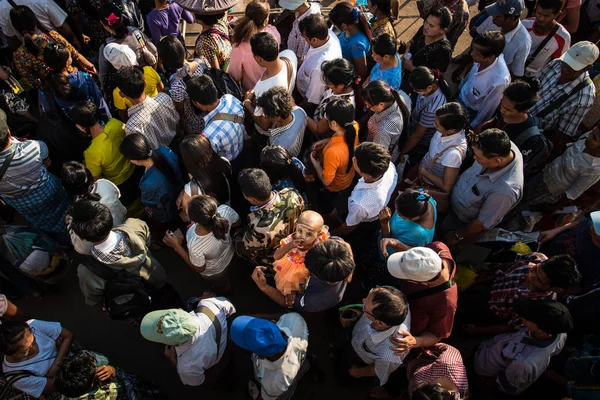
(63,342)
(393,243)
(318,128)
(413,140)
(344,229)
(361,67)
(447,182)
(67,32)
(258,276)
(474,228)
(260,120)
(283,250)
(405,341)
(319,170)
(548,235)
(384,219)
(363,372)
(571,21)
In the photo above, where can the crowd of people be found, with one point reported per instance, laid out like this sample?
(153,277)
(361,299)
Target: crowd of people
(334,160)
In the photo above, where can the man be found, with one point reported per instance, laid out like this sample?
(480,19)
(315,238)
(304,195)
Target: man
(301,9)
(278,353)
(272,216)
(196,342)
(224,119)
(549,39)
(156,118)
(324,46)
(513,361)
(426,277)
(488,190)
(481,90)
(331,265)
(566,94)
(504,17)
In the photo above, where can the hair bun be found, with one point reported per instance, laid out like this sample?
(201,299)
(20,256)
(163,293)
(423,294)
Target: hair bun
(534,84)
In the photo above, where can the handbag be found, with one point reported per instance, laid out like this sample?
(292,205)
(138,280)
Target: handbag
(350,314)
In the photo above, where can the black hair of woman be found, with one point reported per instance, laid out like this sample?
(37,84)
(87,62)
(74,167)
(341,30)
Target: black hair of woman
(341,111)
(203,210)
(422,77)
(78,181)
(56,57)
(136,147)
(277,163)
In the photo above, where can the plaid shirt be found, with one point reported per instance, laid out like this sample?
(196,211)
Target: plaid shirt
(508,286)
(567,117)
(226,137)
(123,249)
(155,118)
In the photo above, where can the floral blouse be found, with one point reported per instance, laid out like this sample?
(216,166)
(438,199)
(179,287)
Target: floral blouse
(216,45)
(383,26)
(33,69)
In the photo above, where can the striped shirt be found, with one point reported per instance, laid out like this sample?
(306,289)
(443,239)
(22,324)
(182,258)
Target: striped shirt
(425,107)
(556,46)
(155,118)
(209,251)
(26,171)
(386,127)
(568,115)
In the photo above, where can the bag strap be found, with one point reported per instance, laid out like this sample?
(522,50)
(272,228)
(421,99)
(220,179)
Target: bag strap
(561,99)
(288,63)
(5,166)
(431,291)
(542,44)
(441,153)
(99,269)
(12,378)
(228,117)
(526,135)
(215,31)
(214,320)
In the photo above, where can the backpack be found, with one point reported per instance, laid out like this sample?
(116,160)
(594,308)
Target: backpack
(540,153)
(129,8)
(225,83)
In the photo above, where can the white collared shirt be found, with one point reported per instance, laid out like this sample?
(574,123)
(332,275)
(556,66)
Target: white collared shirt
(453,157)
(373,347)
(310,82)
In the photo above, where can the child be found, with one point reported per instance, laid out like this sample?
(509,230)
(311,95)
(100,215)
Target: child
(290,271)
(209,244)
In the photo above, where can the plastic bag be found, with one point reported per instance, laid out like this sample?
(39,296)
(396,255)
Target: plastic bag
(19,242)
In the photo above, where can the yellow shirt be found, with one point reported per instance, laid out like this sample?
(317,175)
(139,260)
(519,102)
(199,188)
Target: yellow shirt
(103,157)
(152,80)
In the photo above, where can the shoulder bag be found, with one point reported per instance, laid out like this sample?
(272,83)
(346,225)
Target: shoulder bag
(214,320)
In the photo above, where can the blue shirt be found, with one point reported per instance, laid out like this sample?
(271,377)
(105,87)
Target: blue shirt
(354,46)
(391,76)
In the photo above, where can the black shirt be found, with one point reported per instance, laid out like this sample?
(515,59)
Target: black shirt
(514,130)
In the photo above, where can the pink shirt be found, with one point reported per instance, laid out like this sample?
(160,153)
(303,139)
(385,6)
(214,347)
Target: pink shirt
(242,66)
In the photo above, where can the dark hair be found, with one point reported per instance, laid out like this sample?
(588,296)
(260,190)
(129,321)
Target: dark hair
(372,158)
(4,138)
(202,89)
(25,22)
(171,53)
(210,20)
(202,210)
(444,15)
(523,94)
(78,180)
(120,26)
(380,92)
(339,72)
(276,102)
(208,170)
(453,116)
(422,77)
(254,18)
(432,391)
(11,335)
(384,6)
(384,45)
(255,183)
(92,220)
(265,46)
(314,26)
(276,161)
(346,13)
(390,305)
(76,374)
(330,261)
(56,56)
(136,147)
(84,113)
(561,270)
(342,112)
(554,5)
(131,81)
(409,205)
(493,43)
(493,143)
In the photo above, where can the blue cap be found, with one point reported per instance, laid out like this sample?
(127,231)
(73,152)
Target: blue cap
(260,336)
(506,7)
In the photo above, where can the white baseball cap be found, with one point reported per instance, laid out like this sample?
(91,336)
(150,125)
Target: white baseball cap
(120,55)
(581,55)
(419,264)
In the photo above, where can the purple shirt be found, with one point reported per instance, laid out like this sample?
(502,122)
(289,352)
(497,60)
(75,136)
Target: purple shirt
(166,22)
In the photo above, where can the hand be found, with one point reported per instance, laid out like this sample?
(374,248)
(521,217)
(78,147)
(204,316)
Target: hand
(179,201)
(546,236)
(387,242)
(384,215)
(403,344)
(172,240)
(457,73)
(85,38)
(407,64)
(249,95)
(313,158)
(355,372)
(258,276)
(290,299)
(319,145)
(105,373)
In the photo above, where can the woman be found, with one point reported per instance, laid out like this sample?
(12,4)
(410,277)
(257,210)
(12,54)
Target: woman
(354,38)
(382,18)
(389,65)
(242,66)
(36,347)
(283,170)
(161,182)
(332,158)
(209,173)
(431,90)
(164,19)
(390,113)
(29,57)
(341,80)
(214,41)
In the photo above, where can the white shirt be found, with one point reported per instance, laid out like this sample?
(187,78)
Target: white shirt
(275,377)
(482,90)
(554,48)
(367,199)
(373,347)
(47,12)
(208,250)
(452,157)
(199,353)
(516,359)
(281,79)
(517,47)
(310,80)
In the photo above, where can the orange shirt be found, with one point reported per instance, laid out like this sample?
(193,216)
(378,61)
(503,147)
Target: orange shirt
(335,163)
